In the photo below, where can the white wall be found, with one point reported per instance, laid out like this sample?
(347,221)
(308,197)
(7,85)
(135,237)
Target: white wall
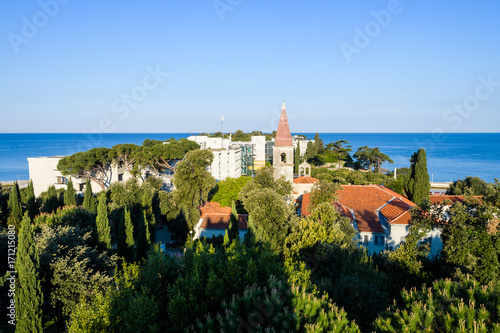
(226,163)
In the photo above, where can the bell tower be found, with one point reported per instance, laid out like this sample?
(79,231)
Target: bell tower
(283,149)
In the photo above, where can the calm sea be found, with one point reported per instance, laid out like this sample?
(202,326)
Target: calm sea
(449,156)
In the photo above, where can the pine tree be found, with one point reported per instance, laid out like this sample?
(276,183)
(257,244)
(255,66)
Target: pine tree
(31,205)
(88,198)
(417,185)
(143,237)
(102,223)
(297,158)
(28,297)
(233,223)
(70,195)
(125,241)
(15,208)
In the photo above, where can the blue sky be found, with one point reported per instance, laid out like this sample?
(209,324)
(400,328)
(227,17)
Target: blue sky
(177,66)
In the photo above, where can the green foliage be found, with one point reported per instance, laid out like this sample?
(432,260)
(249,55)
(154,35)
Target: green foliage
(193,182)
(444,307)
(211,275)
(67,216)
(371,157)
(91,316)
(125,241)
(469,186)
(417,184)
(471,241)
(143,237)
(70,195)
(102,224)
(14,207)
(71,266)
(324,192)
(160,155)
(92,164)
(28,296)
(89,202)
(138,302)
(233,224)
(125,195)
(31,204)
(229,189)
(51,200)
(271,214)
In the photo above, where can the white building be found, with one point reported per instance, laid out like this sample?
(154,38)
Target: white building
(226,163)
(302,143)
(380,216)
(43,172)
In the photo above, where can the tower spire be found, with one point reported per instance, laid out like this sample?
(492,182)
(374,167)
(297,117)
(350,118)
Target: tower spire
(283,136)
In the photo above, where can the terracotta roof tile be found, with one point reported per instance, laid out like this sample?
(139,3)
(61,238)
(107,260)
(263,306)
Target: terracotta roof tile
(439,198)
(305,180)
(365,201)
(283,136)
(221,221)
(213,208)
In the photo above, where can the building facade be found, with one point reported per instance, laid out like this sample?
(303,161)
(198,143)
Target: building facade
(283,149)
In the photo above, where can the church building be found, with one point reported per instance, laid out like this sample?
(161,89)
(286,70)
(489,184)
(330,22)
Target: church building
(283,149)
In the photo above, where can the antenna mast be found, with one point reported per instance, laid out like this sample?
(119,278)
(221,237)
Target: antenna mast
(222,125)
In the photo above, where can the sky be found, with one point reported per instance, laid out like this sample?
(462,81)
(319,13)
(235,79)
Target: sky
(159,66)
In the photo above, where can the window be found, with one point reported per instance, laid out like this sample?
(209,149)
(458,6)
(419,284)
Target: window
(283,157)
(379,240)
(365,239)
(61,180)
(120,177)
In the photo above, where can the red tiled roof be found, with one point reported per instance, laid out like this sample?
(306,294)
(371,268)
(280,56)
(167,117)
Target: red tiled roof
(221,221)
(365,201)
(396,211)
(283,136)
(305,180)
(213,208)
(439,198)
(343,210)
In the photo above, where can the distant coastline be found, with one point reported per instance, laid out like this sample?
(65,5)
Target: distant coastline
(450,157)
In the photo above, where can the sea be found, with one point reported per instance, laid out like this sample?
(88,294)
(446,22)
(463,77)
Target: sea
(450,156)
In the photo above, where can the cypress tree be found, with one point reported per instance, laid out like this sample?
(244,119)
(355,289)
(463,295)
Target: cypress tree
(125,241)
(88,198)
(31,205)
(417,184)
(102,223)
(28,296)
(251,235)
(147,203)
(143,237)
(297,158)
(70,195)
(51,202)
(233,223)
(15,207)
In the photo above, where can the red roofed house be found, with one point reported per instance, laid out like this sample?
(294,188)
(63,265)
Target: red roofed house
(303,185)
(215,220)
(380,215)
